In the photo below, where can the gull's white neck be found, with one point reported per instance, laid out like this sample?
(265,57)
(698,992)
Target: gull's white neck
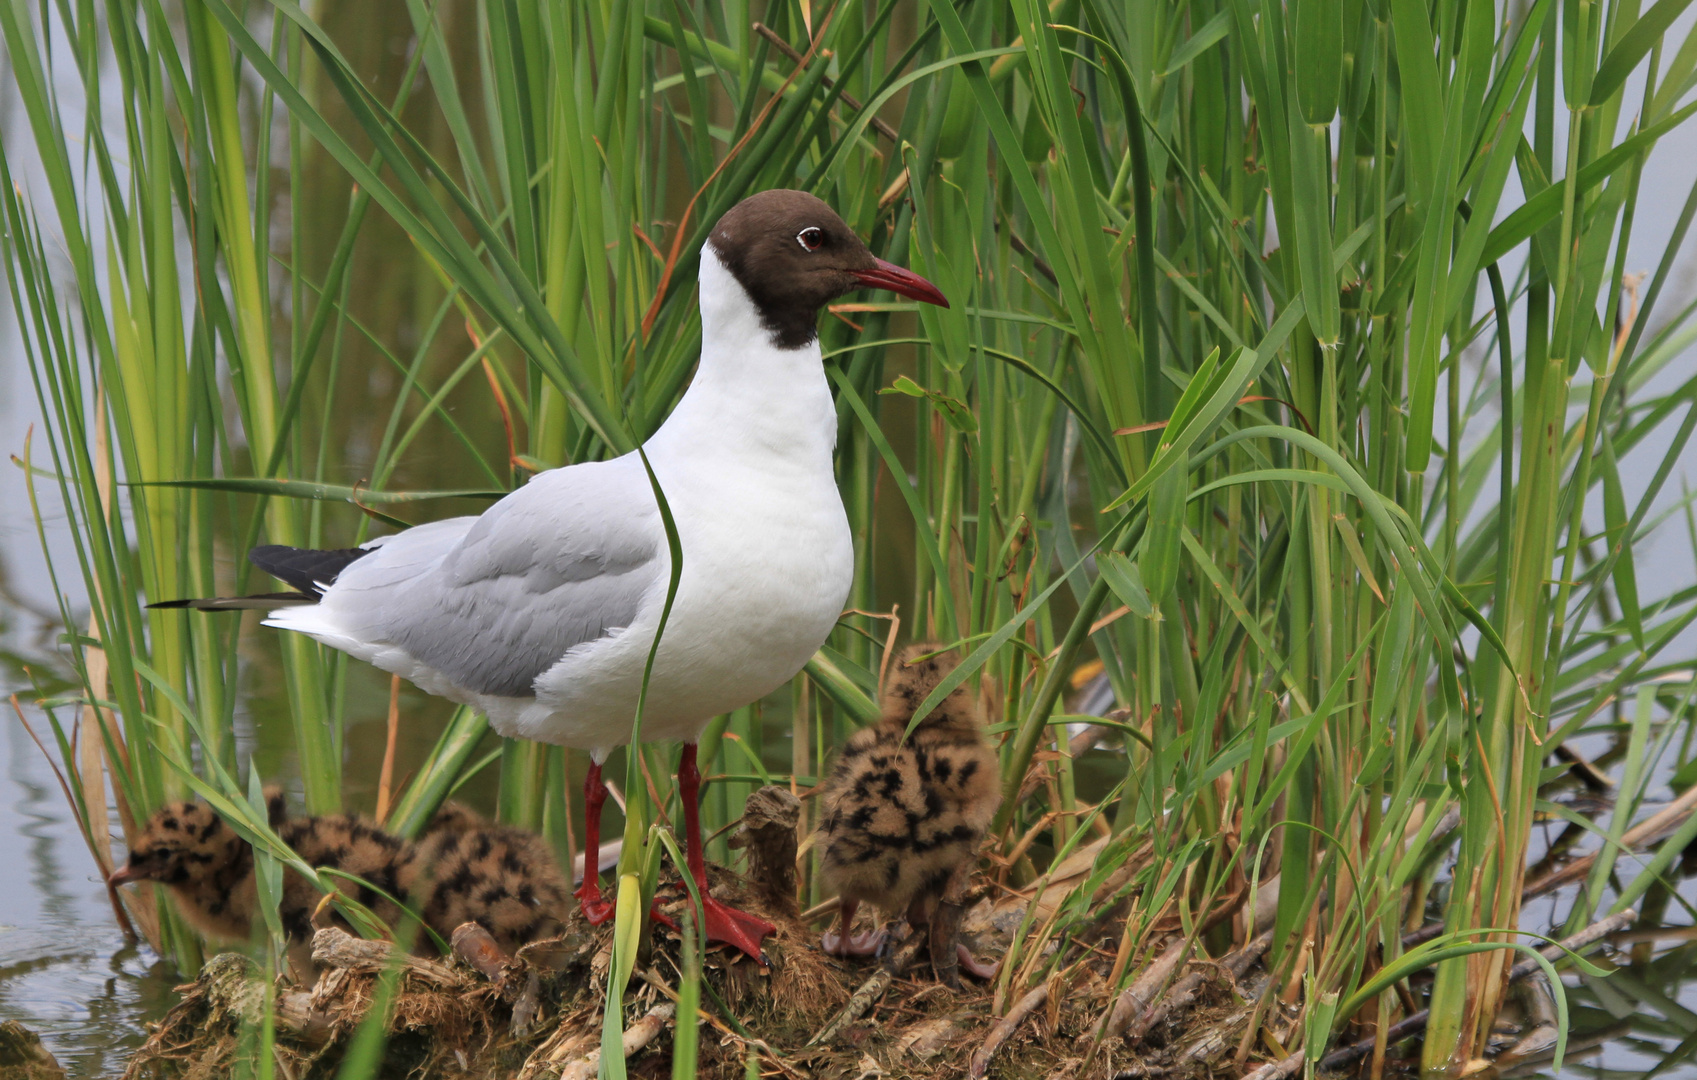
(750,397)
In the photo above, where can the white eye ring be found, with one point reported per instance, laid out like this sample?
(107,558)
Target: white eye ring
(813,232)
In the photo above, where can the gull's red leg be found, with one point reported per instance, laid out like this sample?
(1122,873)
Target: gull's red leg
(724,924)
(595,909)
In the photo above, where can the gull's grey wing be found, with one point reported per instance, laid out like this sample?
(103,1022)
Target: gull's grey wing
(494,601)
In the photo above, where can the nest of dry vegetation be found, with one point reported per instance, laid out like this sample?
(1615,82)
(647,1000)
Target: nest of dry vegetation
(539,1015)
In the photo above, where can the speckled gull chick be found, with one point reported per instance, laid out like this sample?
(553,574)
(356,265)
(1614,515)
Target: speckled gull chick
(541,611)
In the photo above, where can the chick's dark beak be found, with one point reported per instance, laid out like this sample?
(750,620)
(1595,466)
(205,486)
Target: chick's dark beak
(887,275)
(124,875)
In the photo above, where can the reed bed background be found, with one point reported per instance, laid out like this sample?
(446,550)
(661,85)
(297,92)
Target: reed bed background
(1258,397)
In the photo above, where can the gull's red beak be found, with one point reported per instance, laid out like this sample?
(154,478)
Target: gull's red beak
(123,876)
(887,275)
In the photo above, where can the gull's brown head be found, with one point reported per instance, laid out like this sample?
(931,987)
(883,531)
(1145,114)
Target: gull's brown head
(793,255)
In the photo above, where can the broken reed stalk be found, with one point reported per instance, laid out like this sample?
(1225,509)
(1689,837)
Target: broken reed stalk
(870,990)
(768,832)
(1183,993)
(1143,991)
(476,946)
(1652,829)
(1412,1024)
(637,1037)
(1005,1027)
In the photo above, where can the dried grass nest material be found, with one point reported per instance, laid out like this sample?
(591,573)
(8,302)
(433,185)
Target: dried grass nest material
(538,1016)
(450,1019)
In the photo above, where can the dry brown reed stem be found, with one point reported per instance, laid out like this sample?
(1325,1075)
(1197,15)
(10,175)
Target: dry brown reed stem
(1182,995)
(333,947)
(1402,1029)
(386,775)
(637,1037)
(661,291)
(1142,992)
(102,858)
(1004,1029)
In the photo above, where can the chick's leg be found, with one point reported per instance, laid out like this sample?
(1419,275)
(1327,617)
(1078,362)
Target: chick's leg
(596,909)
(948,954)
(723,924)
(840,942)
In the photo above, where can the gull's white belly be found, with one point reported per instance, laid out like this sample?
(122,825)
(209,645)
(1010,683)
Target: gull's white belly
(761,589)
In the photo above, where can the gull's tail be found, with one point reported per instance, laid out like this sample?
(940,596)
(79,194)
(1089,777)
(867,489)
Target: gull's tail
(309,572)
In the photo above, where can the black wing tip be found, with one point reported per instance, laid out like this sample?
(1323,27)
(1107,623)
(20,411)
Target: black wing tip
(257,602)
(308,570)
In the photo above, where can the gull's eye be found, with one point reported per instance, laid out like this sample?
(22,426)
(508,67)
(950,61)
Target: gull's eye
(812,238)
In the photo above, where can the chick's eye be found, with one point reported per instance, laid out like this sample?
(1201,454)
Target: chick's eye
(812,238)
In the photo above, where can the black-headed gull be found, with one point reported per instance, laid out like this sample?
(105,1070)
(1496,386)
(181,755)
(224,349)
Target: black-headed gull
(541,611)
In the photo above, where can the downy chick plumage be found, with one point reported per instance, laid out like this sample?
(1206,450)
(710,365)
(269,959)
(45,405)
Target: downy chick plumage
(902,820)
(463,869)
(208,867)
(466,869)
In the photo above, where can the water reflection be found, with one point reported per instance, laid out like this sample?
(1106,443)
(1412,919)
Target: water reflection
(66,971)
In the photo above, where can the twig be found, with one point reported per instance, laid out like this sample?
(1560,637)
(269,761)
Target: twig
(1409,1025)
(1140,995)
(1183,993)
(783,46)
(637,1037)
(1036,260)
(1005,1028)
(870,991)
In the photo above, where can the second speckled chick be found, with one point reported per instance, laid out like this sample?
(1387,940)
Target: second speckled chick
(464,869)
(902,820)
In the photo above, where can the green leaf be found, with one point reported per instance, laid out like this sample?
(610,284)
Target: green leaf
(1122,577)
(1212,32)
(307,489)
(1311,187)
(1632,47)
(1543,207)
(955,411)
(1619,528)
(1159,561)
(1318,57)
